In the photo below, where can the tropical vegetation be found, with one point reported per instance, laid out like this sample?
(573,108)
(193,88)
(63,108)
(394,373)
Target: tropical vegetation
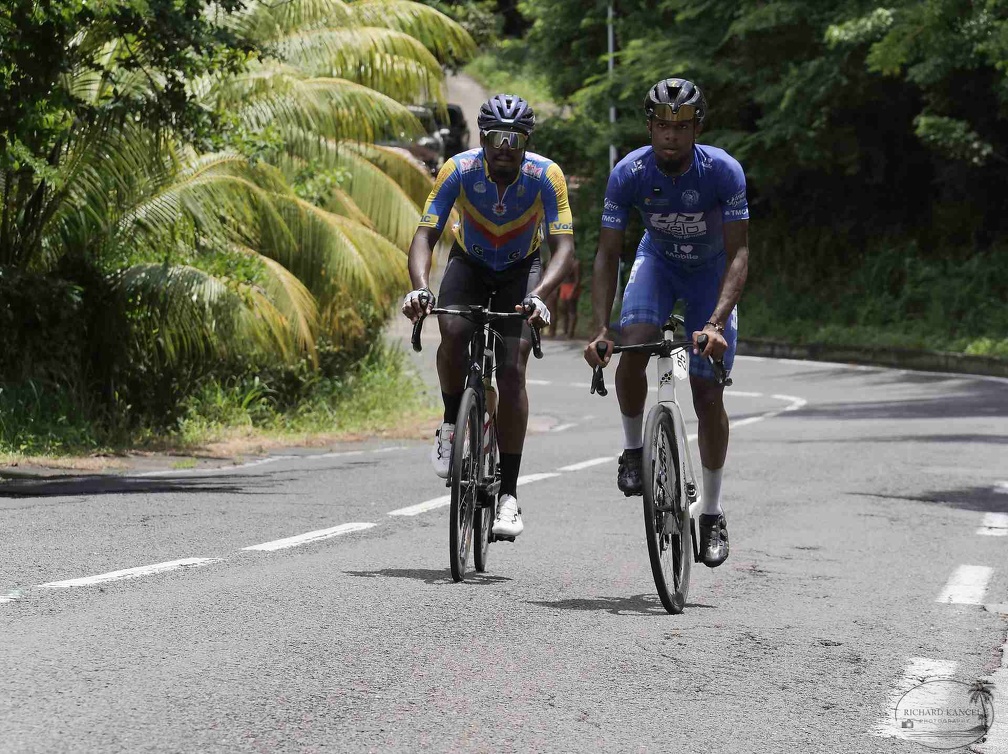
(194,193)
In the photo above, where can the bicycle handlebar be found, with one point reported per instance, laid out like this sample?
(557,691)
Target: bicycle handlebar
(661,348)
(479,316)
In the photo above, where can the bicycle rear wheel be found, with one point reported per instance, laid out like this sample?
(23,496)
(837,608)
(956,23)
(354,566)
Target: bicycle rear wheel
(484,516)
(465,474)
(666,511)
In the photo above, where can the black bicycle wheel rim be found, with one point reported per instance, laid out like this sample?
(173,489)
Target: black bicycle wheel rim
(464,482)
(483,517)
(668,532)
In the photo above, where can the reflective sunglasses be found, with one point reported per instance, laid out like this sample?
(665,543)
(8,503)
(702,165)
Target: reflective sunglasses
(665,112)
(498,139)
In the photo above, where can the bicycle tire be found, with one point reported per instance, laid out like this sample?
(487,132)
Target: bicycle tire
(465,475)
(670,547)
(483,516)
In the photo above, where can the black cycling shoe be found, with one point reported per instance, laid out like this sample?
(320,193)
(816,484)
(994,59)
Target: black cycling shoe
(713,540)
(629,477)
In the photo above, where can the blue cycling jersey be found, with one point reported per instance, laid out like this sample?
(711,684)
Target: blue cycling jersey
(500,226)
(684,216)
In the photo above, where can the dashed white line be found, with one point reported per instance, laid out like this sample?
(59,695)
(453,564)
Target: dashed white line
(1002,488)
(130,573)
(994,525)
(918,670)
(312,536)
(966,586)
(587,464)
(563,427)
(438,502)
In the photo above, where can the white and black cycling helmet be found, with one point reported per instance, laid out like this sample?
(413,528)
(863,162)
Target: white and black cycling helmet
(506,111)
(676,100)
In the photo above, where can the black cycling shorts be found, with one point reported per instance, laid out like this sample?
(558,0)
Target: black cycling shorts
(466,281)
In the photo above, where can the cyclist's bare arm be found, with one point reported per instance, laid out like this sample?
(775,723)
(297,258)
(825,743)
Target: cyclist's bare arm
(736,241)
(604,272)
(562,259)
(420,252)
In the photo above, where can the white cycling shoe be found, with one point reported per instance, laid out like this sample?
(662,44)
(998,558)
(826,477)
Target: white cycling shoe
(441,452)
(509,521)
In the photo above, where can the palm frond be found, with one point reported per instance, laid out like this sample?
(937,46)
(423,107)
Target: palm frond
(449,42)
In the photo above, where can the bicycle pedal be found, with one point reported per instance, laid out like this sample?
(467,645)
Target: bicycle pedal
(505,539)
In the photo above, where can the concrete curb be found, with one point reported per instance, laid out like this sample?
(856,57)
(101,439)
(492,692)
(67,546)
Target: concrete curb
(901,358)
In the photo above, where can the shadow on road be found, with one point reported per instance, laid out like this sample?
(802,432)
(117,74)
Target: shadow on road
(981,499)
(73,486)
(428,575)
(640,604)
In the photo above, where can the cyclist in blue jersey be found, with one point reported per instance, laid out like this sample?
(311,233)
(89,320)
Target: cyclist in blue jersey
(692,200)
(508,200)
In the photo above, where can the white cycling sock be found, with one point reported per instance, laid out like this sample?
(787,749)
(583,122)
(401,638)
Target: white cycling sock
(633,431)
(710,500)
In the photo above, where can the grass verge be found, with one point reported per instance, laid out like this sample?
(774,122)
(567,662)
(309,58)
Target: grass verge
(381,395)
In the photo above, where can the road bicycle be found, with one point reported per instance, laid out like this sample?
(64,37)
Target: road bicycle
(669,482)
(474,466)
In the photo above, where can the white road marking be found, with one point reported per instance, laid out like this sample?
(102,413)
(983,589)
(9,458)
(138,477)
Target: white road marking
(439,502)
(538,382)
(10,596)
(917,671)
(426,505)
(130,573)
(389,449)
(587,464)
(966,586)
(563,427)
(312,536)
(216,470)
(1002,487)
(994,525)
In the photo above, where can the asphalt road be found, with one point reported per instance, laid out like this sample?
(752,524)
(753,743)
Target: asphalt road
(854,497)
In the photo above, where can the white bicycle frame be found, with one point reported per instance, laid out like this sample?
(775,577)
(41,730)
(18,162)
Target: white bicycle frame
(672,369)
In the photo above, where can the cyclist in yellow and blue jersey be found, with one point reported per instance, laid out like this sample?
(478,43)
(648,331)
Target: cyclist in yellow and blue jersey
(510,200)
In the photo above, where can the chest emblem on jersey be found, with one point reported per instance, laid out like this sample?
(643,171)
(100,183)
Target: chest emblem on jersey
(690,197)
(479,188)
(521,191)
(499,209)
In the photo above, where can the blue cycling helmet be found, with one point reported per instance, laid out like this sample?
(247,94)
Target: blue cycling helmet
(667,97)
(508,111)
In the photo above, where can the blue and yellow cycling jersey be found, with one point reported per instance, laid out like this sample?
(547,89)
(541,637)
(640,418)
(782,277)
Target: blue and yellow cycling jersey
(500,226)
(684,215)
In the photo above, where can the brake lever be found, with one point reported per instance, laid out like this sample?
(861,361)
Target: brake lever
(598,382)
(424,299)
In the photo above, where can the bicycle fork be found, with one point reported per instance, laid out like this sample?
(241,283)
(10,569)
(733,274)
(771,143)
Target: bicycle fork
(672,369)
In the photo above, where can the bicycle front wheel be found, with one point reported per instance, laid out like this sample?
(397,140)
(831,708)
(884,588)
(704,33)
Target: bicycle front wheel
(483,516)
(465,475)
(666,511)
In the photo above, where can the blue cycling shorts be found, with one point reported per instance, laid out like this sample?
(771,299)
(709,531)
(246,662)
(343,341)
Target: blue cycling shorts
(654,287)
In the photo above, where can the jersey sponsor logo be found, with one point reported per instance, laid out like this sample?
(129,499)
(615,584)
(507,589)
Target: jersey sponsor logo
(468,164)
(478,250)
(480,187)
(514,256)
(532,170)
(610,219)
(736,214)
(680,224)
(610,205)
(500,209)
(690,197)
(737,199)
(638,165)
(429,218)
(561,227)
(682,252)
(521,191)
